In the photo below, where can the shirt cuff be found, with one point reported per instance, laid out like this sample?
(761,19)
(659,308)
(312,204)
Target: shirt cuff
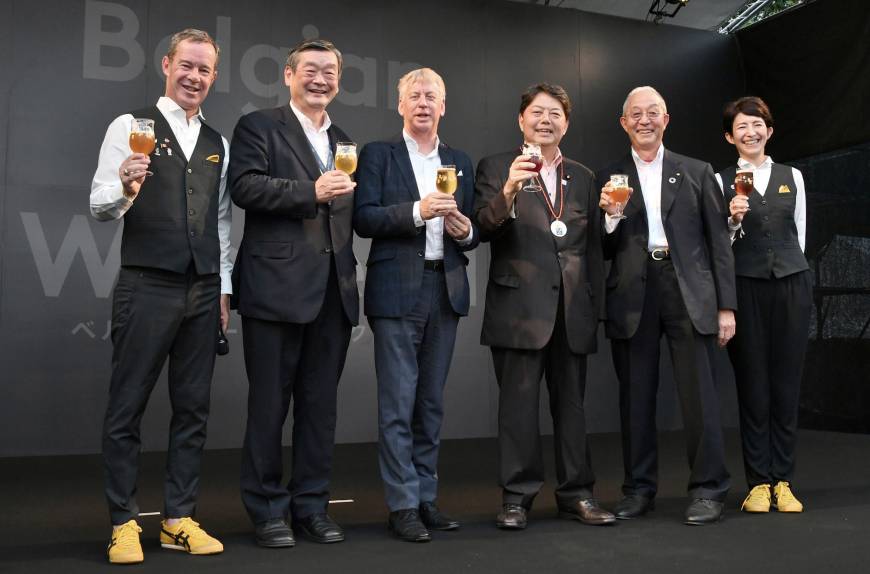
(418,219)
(610,222)
(734,226)
(467,240)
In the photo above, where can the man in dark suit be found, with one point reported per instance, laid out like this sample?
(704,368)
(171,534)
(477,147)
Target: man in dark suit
(543,302)
(416,290)
(295,287)
(673,275)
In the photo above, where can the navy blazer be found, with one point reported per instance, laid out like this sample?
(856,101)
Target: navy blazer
(694,217)
(283,264)
(383,210)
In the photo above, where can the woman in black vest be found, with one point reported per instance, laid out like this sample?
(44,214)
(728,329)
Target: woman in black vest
(774,297)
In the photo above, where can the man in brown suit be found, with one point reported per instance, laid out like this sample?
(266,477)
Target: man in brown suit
(543,302)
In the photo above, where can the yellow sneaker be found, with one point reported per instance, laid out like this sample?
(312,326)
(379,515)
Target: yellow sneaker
(758,499)
(124,547)
(188,536)
(784,500)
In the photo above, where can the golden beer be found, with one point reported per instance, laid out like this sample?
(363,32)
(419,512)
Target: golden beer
(445,180)
(142,142)
(346,162)
(345,157)
(142,139)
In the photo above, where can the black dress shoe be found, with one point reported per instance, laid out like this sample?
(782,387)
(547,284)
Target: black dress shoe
(511,517)
(587,511)
(633,506)
(434,519)
(274,534)
(318,528)
(406,525)
(704,511)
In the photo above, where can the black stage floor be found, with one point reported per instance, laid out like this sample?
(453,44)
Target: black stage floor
(54,518)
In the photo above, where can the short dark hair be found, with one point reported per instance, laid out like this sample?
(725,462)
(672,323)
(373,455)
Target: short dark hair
(193,35)
(558,92)
(749,105)
(307,45)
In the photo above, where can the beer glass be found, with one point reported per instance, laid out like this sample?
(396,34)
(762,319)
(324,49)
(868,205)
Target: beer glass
(142,138)
(345,157)
(534,152)
(445,179)
(744,182)
(619,192)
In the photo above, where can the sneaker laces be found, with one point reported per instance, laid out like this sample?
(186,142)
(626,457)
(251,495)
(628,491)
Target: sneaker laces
(762,490)
(127,535)
(784,493)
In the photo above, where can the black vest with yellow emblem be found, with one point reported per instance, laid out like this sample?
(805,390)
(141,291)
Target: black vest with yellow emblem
(173,222)
(769,246)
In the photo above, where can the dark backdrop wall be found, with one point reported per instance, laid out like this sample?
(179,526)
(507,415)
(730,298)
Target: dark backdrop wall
(71,67)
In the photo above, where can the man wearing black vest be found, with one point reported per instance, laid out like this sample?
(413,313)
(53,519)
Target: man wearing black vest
(295,288)
(172,291)
(672,275)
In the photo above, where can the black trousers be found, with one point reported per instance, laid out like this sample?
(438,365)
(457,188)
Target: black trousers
(767,353)
(521,464)
(637,367)
(156,314)
(302,362)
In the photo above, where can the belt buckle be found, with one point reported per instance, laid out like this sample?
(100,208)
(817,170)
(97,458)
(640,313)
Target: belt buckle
(658,254)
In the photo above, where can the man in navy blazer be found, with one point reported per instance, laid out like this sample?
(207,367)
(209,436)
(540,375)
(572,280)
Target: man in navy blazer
(294,284)
(416,290)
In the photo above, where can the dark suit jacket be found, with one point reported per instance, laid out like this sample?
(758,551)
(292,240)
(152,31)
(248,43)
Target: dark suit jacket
(694,217)
(383,210)
(282,266)
(529,263)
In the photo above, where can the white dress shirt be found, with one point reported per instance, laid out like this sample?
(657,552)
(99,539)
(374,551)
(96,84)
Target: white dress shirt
(550,177)
(760,180)
(650,175)
(425,171)
(317,137)
(107,192)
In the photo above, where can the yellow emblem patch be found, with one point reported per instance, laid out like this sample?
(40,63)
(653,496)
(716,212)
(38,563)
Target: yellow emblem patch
(214,158)
(784,189)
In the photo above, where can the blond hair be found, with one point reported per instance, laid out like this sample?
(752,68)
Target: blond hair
(421,75)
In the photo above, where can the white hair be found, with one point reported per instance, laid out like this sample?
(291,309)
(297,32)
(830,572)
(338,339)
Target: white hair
(641,89)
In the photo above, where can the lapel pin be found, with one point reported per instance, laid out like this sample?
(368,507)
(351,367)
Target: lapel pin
(673,180)
(567,177)
(732,186)
(459,174)
(169,151)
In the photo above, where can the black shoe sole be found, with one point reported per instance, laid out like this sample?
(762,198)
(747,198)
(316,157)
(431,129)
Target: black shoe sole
(302,533)
(283,544)
(704,522)
(649,508)
(454,526)
(423,538)
(578,518)
(510,526)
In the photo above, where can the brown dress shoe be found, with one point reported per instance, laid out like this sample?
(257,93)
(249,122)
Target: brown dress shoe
(587,511)
(511,517)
